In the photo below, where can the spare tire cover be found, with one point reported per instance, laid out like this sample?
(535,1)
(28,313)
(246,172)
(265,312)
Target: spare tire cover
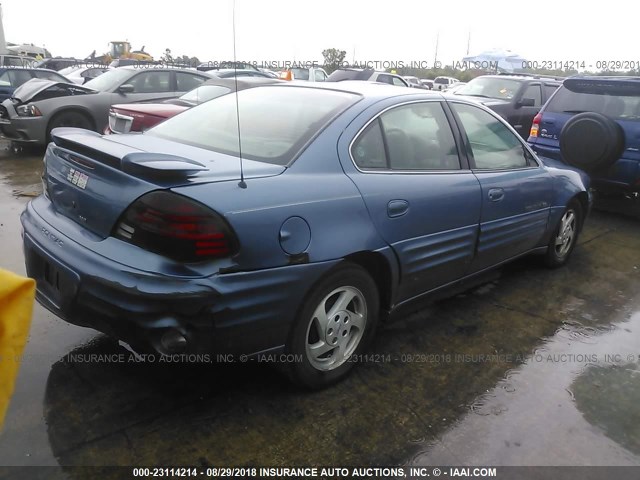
(591,141)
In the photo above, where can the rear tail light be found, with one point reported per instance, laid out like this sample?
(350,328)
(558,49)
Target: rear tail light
(286,75)
(176,227)
(535,126)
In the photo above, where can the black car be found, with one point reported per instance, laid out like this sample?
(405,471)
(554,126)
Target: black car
(58,63)
(515,97)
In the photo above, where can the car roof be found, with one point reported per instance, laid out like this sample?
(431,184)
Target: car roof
(163,67)
(243,81)
(525,77)
(363,88)
(22,67)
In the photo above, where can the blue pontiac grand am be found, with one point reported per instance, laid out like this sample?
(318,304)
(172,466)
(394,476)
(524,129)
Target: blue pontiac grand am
(354,199)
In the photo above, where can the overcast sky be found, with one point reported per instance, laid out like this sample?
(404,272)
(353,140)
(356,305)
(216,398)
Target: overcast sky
(281,30)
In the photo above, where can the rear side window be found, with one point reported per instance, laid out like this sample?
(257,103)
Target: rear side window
(533,91)
(188,81)
(416,137)
(549,90)
(493,145)
(619,107)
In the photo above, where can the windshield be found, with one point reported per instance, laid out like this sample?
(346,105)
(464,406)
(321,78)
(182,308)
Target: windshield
(66,71)
(204,93)
(109,80)
(490,87)
(275,122)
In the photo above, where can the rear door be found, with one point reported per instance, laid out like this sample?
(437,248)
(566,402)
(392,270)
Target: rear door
(424,202)
(516,191)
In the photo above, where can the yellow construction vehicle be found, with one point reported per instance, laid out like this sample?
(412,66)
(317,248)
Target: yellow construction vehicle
(122,50)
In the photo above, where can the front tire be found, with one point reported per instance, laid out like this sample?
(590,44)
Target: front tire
(70,118)
(337,321)
(565,236)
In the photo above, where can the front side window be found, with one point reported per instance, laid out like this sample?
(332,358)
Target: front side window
(151,82)
(409,137)
(319,76)
(493,145)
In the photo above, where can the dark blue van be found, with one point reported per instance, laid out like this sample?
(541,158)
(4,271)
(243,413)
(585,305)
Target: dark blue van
(12,77)
(593,123)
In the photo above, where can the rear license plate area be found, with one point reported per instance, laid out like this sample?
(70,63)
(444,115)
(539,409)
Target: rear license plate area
(56,283)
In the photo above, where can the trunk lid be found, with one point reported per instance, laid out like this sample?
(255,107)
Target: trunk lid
(92,179)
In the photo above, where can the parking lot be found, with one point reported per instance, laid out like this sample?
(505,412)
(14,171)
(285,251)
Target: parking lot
(533,367)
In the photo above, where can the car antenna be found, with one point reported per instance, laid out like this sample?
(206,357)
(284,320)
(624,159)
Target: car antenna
(242,183)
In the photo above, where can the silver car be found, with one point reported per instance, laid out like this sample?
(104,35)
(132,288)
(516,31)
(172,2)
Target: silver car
(39,106)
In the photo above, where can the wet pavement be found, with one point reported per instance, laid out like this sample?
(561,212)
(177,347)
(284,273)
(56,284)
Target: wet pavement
(535,367)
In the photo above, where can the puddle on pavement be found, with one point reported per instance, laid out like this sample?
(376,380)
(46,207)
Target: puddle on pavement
(466,380)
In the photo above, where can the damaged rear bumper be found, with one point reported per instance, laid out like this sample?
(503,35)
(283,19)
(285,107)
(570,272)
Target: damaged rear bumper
(239,313)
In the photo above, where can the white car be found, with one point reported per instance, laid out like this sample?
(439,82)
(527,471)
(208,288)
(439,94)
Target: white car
(311,74)
(81,74)
(442,83)
(415,82)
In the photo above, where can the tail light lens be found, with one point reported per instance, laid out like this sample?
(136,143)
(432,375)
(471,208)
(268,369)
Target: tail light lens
(176,227)
(535,126)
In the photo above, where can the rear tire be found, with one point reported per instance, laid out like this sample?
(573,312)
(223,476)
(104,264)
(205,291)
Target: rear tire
(565,236)
(336,322)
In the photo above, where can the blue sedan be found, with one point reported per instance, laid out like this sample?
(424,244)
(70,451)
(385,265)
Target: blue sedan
(289,219)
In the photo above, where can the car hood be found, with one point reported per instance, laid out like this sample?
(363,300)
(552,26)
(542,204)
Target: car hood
(156,109)
(33,87)
(489,102)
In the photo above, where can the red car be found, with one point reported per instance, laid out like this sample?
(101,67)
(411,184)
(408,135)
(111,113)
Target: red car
(138,117)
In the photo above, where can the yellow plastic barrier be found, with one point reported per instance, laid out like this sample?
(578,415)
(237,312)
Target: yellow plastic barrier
(16,306)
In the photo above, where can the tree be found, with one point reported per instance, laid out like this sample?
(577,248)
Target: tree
(333,58)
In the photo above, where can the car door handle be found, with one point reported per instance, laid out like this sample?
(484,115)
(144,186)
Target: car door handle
(397,208)
(496,194)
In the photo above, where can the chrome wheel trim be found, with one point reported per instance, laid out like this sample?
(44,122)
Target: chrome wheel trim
(566,233)
(336,328)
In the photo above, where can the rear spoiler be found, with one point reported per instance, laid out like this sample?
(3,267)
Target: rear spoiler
(619,86)
(145,165)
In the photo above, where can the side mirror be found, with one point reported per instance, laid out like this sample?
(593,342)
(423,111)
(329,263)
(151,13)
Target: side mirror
(527,102)
(126,88)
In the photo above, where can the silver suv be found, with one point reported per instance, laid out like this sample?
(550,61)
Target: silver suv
(367,75)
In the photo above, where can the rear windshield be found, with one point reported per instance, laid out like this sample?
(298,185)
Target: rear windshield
(491,87)
(275,122)
(300,73)
(340,75)
(441,80)
(619,107)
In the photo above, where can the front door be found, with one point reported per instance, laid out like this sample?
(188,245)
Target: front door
(516,191)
